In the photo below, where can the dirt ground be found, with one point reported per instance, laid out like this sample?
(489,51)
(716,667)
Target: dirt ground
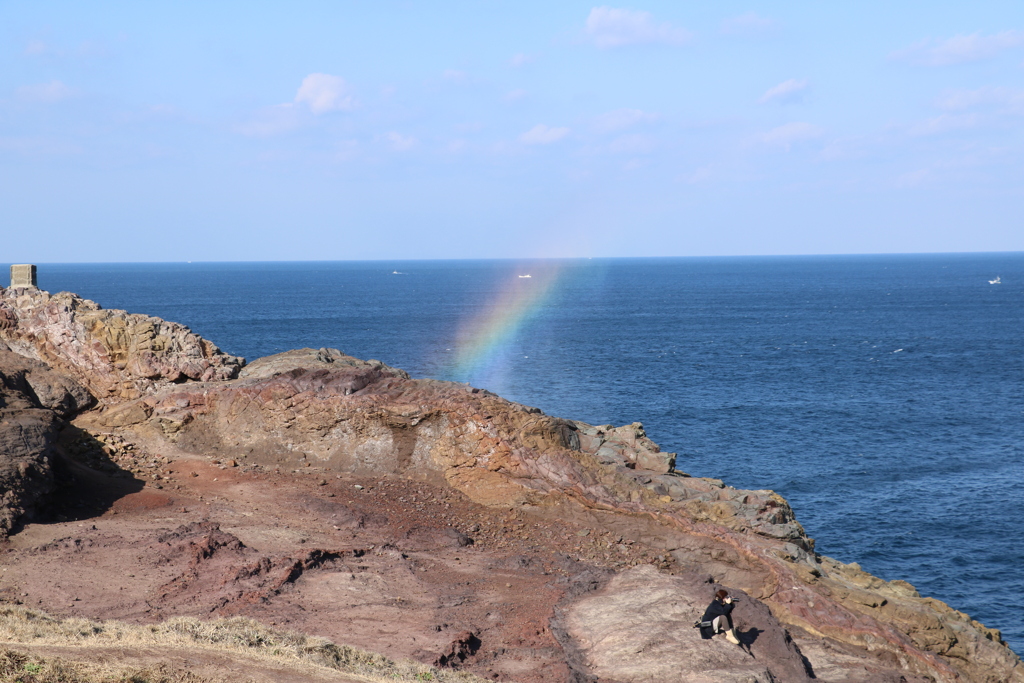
(405,568)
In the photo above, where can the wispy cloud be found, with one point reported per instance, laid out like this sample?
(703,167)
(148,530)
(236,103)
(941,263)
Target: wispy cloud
(699,175)
(610,27)
(543,135)
(271,121)
(1003,100)
(621,119)
(748,23)
(944,123)
(959,49)
(86,49)
(455,76)
(35,146)
(792,90)
(399,142)
(632,144)
(520,59)
(514,95)
(324,93)
(44,93)
(785,136)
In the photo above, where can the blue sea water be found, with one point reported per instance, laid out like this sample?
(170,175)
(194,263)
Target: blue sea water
(883,396)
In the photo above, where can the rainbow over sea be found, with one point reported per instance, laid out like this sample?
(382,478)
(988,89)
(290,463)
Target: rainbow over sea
(483,340)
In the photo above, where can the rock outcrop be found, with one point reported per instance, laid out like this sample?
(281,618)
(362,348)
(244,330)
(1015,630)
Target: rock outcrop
(368,418)
(116,355)
(33,401)
(809,615)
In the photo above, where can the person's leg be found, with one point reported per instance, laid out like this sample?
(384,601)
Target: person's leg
(730,632)
(720,625)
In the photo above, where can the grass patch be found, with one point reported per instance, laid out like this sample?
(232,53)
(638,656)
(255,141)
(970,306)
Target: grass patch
(239,635)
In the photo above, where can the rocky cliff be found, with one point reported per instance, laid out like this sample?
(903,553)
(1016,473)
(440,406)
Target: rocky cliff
(650,543)
(33,402)
(116,355)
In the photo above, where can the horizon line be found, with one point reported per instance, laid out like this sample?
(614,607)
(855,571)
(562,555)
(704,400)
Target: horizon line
(533,258)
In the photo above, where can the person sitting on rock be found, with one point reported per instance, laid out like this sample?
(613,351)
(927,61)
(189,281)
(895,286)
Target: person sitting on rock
(718,617)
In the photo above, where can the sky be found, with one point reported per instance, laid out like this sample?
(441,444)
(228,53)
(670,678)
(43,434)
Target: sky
(251,131)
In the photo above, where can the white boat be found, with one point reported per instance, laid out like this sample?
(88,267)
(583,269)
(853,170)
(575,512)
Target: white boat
(997,281)
(524,276)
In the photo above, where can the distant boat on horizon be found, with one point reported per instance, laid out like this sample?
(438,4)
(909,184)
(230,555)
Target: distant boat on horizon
(997,281)
(527,275)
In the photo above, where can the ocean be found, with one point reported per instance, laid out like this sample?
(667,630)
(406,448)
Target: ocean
(883,396)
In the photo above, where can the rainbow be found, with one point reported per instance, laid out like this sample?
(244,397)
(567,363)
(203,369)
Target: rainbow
(482,341)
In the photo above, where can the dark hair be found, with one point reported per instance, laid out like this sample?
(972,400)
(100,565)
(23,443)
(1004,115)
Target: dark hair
(722,594)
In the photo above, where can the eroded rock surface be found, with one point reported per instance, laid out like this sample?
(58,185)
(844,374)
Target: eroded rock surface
(622,499)
(638,627)
(33,399)
(116,355)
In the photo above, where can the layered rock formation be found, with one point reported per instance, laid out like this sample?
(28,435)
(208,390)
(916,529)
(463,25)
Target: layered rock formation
(807,615)
(33,401)
(116,355)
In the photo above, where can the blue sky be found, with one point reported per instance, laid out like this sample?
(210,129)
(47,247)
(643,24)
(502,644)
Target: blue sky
(343,130)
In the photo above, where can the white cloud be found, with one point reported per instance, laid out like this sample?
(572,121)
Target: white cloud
(748,23)
(787,91)
(455,76)
(456,146)
(701,174)
(611,27)
(1005,100)
(514,95)
(399,142)
(849,148)
(785,136)
(960,49)
(520,59)
(632,144)
(271,121)
(620,119)
(324,93)
(943,124)
(45,93)
(543,135)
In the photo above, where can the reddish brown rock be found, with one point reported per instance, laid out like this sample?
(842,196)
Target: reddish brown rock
(369,419)
(606,498)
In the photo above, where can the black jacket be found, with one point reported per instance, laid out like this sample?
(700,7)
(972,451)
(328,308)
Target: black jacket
(717,608)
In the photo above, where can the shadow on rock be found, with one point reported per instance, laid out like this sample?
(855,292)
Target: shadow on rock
(89,481)
(748,637)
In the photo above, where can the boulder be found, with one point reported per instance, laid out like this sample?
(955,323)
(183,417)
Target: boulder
(29,427)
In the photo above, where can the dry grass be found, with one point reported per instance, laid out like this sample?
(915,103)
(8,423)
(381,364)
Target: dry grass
(237,636)
(18,667)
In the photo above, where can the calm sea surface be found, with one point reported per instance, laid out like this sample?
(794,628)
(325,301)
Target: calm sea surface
(882,395)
